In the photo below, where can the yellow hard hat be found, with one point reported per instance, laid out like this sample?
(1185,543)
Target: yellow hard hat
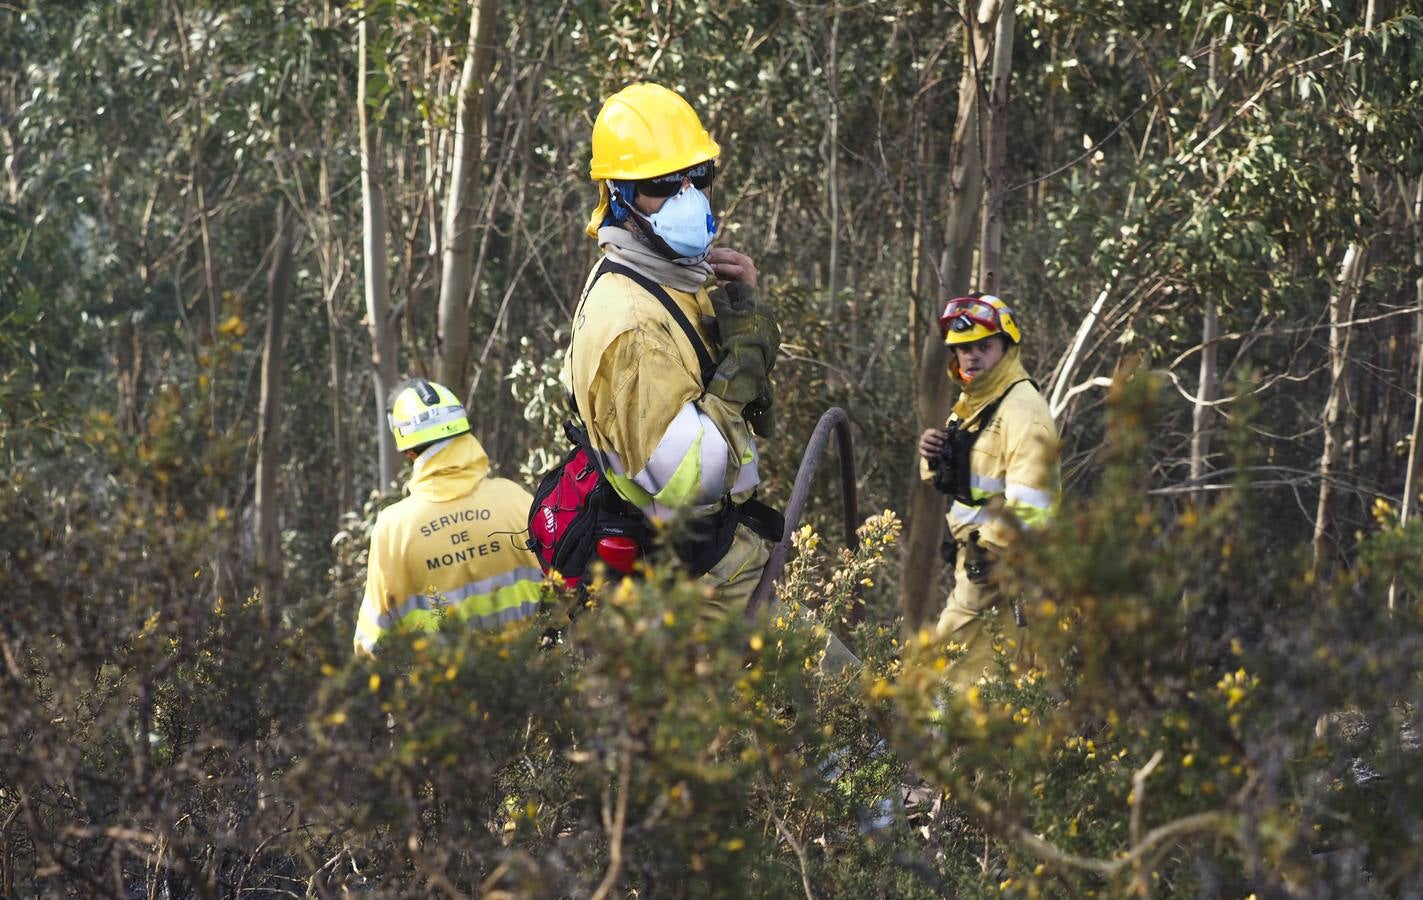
(642,131)
(968,319)
(423,412)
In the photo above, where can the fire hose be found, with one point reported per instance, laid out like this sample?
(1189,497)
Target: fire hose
(834,420)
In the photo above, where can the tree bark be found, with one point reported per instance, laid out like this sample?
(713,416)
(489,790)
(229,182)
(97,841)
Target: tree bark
(832,181)
(333,270)
(991,240)
(1411,469)
(1205,393)
(1415,458)
(383,346)
(269,406)
(462,205)
(1341,308)
(920,589)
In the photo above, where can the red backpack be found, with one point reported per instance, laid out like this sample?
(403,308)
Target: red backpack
(577,515)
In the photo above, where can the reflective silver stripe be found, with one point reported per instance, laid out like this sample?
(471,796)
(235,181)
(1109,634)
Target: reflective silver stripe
(985,484)
(968,515)
(494,583)
(425,418)
(672,448)
(486,622)
(715,454)
(1021,493)
(689,430)
(501,617)
(454,596)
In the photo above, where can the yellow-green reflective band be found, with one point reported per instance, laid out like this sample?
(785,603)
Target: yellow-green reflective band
(981,487)
(418,620)
(690,434)
(630,490)
(487,603)
(1031,516)
(683,487)
(485,612)
(508,604)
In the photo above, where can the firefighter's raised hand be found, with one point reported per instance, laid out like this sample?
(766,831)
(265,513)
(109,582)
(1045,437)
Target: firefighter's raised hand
(731,265)
(748,338)
(931,443)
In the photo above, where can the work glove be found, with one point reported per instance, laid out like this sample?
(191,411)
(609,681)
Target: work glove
(980,562)
(760,414)
(749,338)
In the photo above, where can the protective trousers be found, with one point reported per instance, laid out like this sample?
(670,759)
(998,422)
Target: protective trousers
(733,580)
(976,617)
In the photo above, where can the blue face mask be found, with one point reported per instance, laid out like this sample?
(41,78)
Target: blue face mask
(685,222)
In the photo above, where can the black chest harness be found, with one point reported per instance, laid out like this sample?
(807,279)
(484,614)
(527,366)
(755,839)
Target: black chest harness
(953,476)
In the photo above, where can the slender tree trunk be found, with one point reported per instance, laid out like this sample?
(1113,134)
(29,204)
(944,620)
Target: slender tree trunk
(10,160)
(269,406)
(1341,308)
(1411,472)
(129,367)
(832,180)
(196,174)
(333,267)
(1205,393)
(1062,381)
(920,589)
(991,241)
(919,280)
(383,345)
(456,280)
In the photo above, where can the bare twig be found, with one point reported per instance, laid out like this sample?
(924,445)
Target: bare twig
(1138,798)
(795,846)
(999,823)
(316,884)
(615,824)
(1297,329)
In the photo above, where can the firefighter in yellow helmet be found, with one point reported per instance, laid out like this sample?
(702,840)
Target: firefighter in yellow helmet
(671,353)
(451,547)
(667,406)
(997,460)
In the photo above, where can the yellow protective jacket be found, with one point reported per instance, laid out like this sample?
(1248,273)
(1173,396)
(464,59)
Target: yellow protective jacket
(1015,466)
(635,378)
(450,548)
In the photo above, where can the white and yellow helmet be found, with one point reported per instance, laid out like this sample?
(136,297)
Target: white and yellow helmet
(423,412)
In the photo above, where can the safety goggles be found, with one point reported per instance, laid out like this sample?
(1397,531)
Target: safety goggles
(963,313)
(701,175)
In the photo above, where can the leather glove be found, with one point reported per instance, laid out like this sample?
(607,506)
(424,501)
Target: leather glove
(761,415)
(979,564)
(749,339)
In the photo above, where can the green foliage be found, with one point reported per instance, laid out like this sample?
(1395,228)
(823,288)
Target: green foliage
(1208,717)
(1204,718)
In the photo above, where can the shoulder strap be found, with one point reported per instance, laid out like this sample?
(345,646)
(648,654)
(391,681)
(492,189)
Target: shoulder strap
(704,358)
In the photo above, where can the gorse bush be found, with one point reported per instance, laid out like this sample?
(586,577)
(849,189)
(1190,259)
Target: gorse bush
(1205,719)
